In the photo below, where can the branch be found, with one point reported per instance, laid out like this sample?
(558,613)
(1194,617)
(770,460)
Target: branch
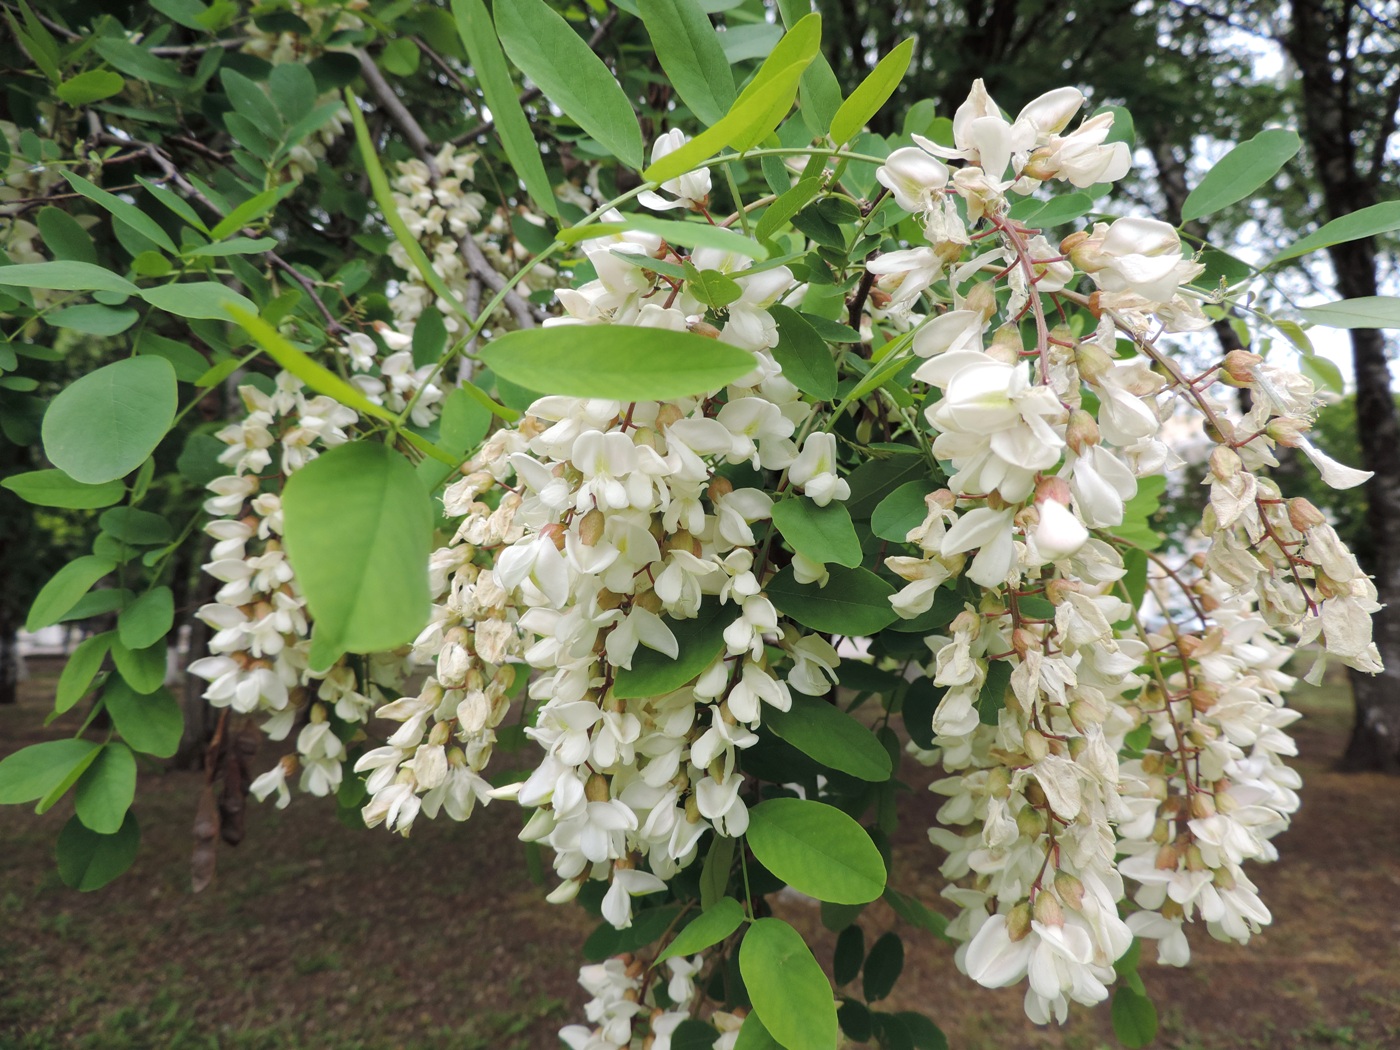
(525,315)
(398,113)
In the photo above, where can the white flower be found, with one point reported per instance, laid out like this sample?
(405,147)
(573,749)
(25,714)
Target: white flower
(814,470)
(691,190)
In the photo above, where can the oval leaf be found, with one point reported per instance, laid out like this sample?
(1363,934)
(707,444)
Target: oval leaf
(803,354)
(655,674)
(902,510)
(148,619)
(789,991)
(66,276)
(88,861)
(1368,222)
(33,772)
(107,424)
(855,602)
(150,723)
(1372,311)
(824,534)
(1241,171)
(817,850)
(197,299)
(615,362)
(711,926)
(826,733)
(549,52)
(63,591)
(358,533)
(80,670)
(53,488)
(105,791)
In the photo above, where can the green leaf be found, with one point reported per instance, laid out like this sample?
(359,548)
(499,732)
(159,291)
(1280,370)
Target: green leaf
(1322,372)
(804,356)
(315,375)
(135,61)
(198,299)
(64,236)
(675,231)
(700,640)
(108,423)
(646,927)
(872,93)
(1134,1018)
(142,669)
(358,533)
(136,527)
(493,77)
(1059,210)
(615,362)
(790,993)
(92,86)
(823,534)
(875,479)
(711,287)
(788,204)
(1372,311)
(253,208)
(88,861)
(753,1036)
(714,873)
(548,50)
(848,956)
(107,789)
(759,108)
(883,966)
(150,723)
(1367,222)
(1241,171)
(94,319)
(119,209)
(53,488)
(62,592)
(826,733)
(250,100)
(992,697)
(33,772)
(66,276)
(855,602)
(817,850)
(81,668)
(232,246)
(148,619)
(916,913)
(710,927)
(902,510)
(401,57)
(689,51)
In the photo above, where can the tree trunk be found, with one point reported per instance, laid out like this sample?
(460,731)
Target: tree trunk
(10,664)
(1319,41)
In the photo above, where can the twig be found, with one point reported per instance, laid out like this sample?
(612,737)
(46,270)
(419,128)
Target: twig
(525,315)
(398,113)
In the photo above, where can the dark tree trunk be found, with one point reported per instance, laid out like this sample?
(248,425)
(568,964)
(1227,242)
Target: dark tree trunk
(1334,120)
(10,664)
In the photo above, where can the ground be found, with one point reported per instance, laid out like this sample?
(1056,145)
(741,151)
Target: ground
(318,936)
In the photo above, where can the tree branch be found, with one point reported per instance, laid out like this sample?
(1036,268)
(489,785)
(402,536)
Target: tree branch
(412,131)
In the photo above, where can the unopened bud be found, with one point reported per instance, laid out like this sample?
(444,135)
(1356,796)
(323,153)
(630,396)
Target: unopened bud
(1239,365)
(1035,745)
(704,328)
(1035,795)
(1069,889)
(667,414)
(999,782)
(1030,822)
(1059,589)
(648,600)
(1202,806)
(1167,858)
(1077,746)
(1225,464)
(880,298)
(1018,922)
(596,789)
(590,527)
(1161,833)
(1287,431)
(719,488)
(554,532)
(1047,910)
(1224,879)
(1023,641)
(1042,166)
(1085,713)
(981,298)
(1194,860)
(1093,363)
(1073,241)
(1082,431)
(1202,700)
(1303,516)
(966,622)
(439,734)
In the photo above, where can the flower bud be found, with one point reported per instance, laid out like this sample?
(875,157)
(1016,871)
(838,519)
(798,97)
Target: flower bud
(1030,822)
(1082,431)
(1018,922)
(1070,889)
(1287,431)
(596,789)
(1225,465)
(1202,700)
(1303,516)
(1035,795)
(981,298)
(1202,805)
(1047,910)
(719,488)
(1034,744)
(1239,365)
(1059,533)
(1167,858)
(999,782)
(554,532)
(704,328)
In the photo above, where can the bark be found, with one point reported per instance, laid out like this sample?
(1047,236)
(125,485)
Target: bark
(10,664)
(1333,124)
